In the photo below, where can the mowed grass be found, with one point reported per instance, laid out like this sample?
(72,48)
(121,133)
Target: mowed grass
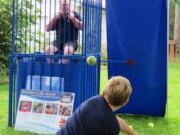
(4,129)
(170,125)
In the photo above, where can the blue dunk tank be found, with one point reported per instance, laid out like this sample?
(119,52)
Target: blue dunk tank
(41,30)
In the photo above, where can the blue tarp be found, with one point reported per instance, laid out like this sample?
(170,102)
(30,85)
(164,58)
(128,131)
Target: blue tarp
(137,31)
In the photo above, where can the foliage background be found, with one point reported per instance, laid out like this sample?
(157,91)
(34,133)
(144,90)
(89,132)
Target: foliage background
(24,17)
(171,18)
(5,34)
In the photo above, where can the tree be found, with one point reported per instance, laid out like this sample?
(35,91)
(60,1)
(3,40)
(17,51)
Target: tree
(171,19)
(5,34)
(22,19)
(177,25)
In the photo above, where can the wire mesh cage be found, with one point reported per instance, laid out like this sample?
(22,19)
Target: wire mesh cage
(46,27)
(51,40)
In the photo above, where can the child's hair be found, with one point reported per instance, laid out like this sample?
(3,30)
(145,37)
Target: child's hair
(117,90)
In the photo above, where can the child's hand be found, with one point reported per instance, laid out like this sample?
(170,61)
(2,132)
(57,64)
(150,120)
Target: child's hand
(62,122)
(134,133)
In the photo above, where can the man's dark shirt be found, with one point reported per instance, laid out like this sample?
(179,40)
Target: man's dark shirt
(66,31)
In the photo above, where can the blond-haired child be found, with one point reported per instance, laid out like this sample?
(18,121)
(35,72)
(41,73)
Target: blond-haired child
(95,116)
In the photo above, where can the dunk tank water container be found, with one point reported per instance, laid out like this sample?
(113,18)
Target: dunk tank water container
(32,67)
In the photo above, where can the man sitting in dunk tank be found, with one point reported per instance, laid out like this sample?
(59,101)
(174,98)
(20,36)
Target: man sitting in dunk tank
(66,24)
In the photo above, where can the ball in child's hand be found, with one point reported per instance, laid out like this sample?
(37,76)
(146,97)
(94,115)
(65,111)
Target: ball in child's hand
(150,124)
(91,60)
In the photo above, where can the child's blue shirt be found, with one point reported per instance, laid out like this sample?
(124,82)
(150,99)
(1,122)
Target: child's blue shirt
(93,117)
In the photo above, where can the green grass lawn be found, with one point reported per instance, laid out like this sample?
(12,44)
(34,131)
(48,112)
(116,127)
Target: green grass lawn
(170,125)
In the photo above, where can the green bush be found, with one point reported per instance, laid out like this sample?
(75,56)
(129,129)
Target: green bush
(5,34)
(171,19)
(22,21)
(104,55)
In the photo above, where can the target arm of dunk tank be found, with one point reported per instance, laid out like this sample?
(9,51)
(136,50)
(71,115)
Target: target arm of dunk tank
(129,61)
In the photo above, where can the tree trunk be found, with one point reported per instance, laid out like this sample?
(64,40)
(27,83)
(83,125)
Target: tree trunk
(177,28)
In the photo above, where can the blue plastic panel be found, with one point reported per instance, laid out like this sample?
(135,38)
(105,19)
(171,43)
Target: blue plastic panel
(76,77)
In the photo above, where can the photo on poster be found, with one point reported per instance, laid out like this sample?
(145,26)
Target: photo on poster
(38,107)
(25,106)
(66,97)
(65,110)
(51,108)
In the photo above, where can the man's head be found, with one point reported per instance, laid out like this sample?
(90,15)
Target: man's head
(117,91)
(64,6)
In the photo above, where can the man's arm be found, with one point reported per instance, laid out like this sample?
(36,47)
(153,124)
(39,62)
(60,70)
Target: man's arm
(78,23)
(124,127)
(52,24)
